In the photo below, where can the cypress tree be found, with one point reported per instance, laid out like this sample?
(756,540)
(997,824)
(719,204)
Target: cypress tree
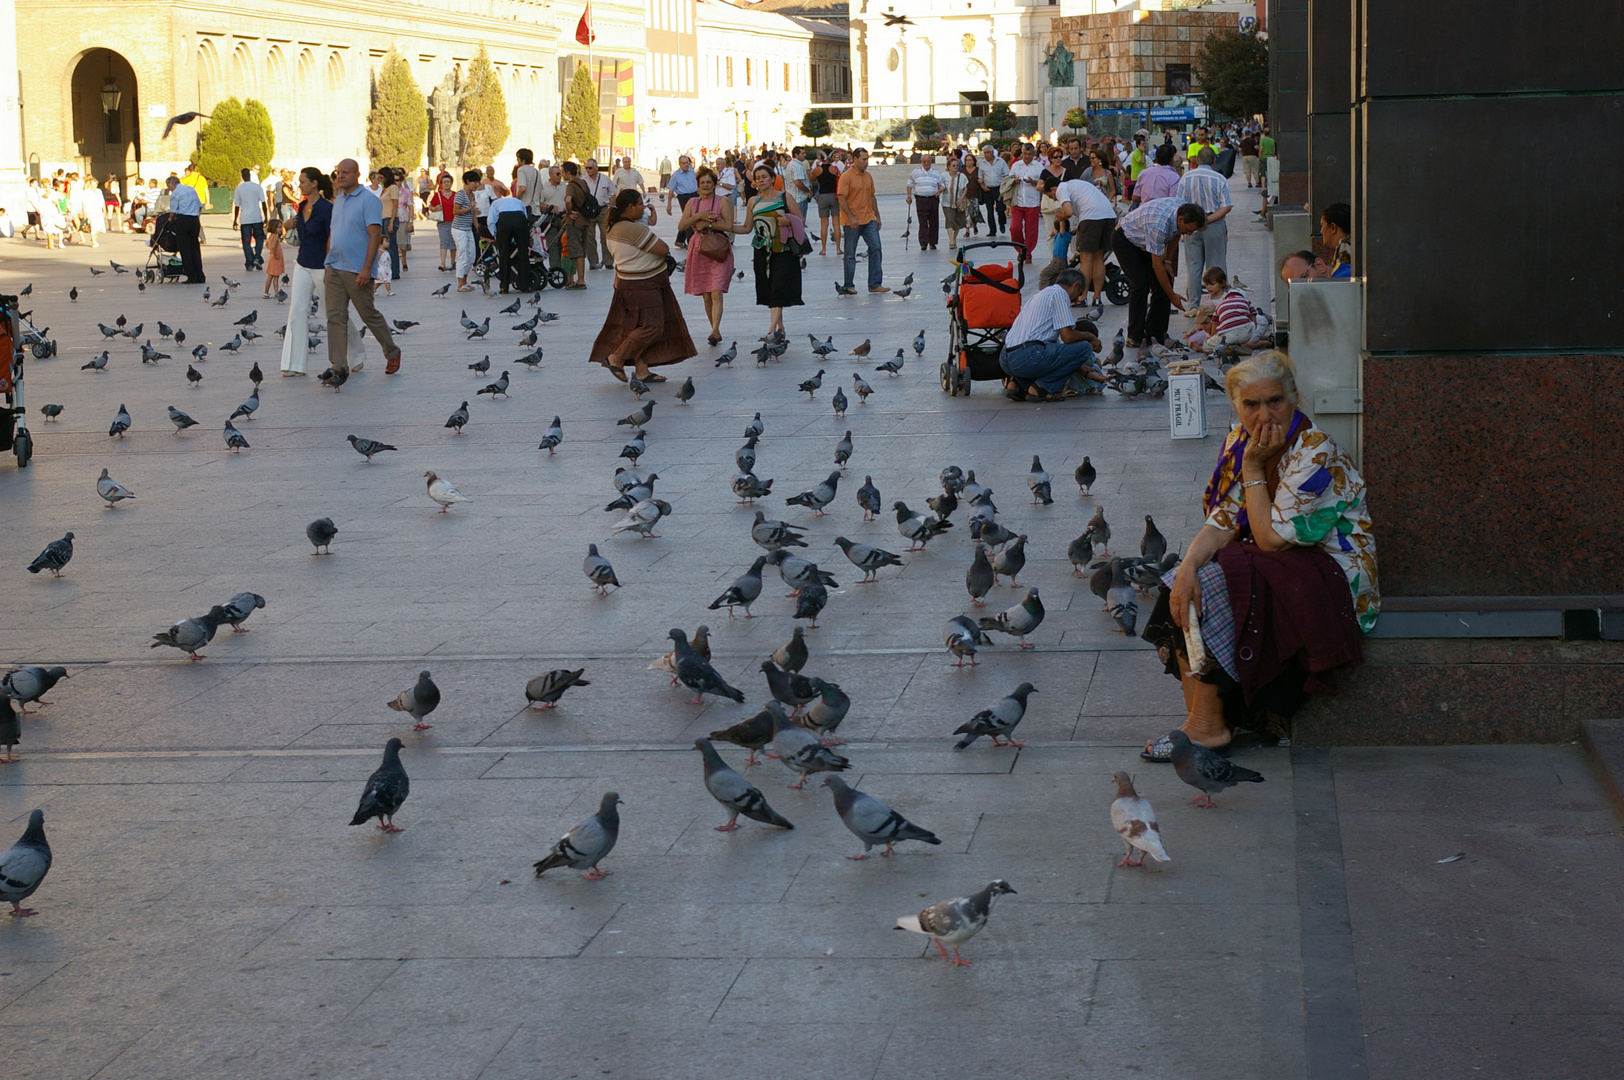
(577,134)
(398,125)
(484,113)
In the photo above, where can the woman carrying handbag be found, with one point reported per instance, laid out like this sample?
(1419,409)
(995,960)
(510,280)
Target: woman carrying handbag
(709,270)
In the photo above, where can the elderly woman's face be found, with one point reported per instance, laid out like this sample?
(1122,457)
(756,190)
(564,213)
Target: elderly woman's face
(1262,403)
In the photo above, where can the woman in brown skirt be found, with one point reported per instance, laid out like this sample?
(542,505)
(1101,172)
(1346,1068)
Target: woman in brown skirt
(645,326)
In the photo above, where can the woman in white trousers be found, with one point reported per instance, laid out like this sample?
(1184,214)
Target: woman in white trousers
(312,223)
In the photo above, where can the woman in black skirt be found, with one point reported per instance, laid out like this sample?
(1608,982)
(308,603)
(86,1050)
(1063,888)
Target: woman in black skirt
(778,236)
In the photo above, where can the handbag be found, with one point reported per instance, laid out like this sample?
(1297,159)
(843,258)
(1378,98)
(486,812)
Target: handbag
(716,246)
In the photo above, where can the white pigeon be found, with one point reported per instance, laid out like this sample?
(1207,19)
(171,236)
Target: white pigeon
(955,921)
(443,493)
(642,518)
(1135,821)
(112,490)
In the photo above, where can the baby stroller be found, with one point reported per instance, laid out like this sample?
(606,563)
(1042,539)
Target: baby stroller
(14,434)
(983,301)
(163,253)
(487,266)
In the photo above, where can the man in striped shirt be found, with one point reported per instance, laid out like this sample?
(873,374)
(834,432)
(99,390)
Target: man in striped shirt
(1208,246)
(1145,245)
(924,191)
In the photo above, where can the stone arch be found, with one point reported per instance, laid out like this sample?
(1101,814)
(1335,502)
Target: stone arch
(306,79)
(208,74)
(279,99)
(242,72)
(109,139)
(335,73)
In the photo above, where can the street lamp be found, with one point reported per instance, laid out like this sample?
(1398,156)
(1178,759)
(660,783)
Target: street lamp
(111,95)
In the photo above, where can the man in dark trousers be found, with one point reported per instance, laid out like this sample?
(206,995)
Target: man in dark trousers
(185,225)
(1146,244)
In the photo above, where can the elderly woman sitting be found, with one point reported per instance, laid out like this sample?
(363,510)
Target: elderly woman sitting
(1281,578)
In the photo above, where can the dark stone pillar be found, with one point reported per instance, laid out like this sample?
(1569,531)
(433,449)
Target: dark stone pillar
(1288,96)
(1330,104)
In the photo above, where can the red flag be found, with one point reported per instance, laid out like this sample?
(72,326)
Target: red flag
(583,29)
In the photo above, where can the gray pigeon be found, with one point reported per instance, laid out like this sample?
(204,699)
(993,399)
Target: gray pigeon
(916,528)
(1099,583)
(743,592)
(56,556)
(753,734)
(638,418)
(458,419)
(868,497)
(811,386)
(943,505)
(843,449)
(598,571)
(637,447)
(862,387)
(180,420)
(791,656)
(980,579)
(734,792)
(840,402)
(997,720)
(685,392)
(23,866)
(799,750)
(1205,770)
(120,424)
(499,387)
(1120,600)
(745,456)
(1037,481)
(696,673)
(818,497)
(755,427)
(1010,561)
(1080,552)
(241,606)
(798,572)
(642,518)
(190,635)
(193,376)
(955,921)
(790,687)
(480,367)
(11,730)
(812,598)
(749,488)
(386,789)
(320,533)
(592,838)
(1085,476)
(961,635)
(248,408)
(30,684)
(112,491)
(774,535)
(544,691)
(991,533)
(1019,620)
(1154,544)
(952,479)
(827,710)
(234,439)
(871,821)
(554,436)
(1099,530)
(867,558)
(418,700)
(97,363)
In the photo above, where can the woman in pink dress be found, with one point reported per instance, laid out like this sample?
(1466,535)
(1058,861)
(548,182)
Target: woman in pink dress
(708,214)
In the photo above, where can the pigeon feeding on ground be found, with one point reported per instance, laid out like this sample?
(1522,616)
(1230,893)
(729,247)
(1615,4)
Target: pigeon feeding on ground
(543,691)
(743,592)
(50,412)
(867,558)
(997,720)
(871,821)
(23,866)
(441,491)
(749,487)
(798,572)
(818,497)
(386,790)
(789,687)
(753,734)
(736,794)
(190,635)
(980,579)
(1019,620)
(799,750)
(112,491)
(320,533)
(418,700)
(1205,770)
(696,673)
(961,635)
(598,571)
(30,684)
(554,436)
(120,424)
(955,921)
(239,607)
(585,845)
(56,556)
(642,518)
(916,528)
(1135,821)
(334,379)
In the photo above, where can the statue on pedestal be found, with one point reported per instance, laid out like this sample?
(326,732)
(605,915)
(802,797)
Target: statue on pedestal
(445,128)
(1059,63)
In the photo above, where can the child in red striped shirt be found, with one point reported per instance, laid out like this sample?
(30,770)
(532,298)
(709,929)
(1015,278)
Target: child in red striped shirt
(1234,316)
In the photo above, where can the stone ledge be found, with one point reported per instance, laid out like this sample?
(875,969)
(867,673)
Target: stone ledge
(1603,740)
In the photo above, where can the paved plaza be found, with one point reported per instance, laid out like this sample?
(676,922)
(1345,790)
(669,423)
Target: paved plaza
(209,913)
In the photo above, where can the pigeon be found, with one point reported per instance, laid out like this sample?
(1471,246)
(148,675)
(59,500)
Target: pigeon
(871,821)
(149,355)
(775,535)
(1205,770)
(916,528)
(642,518)
(543,691)
(1120,600)
(790,687)
(798,572)
(743,592)
(554,436)
(753,734)
(980,579)
(256,376)
(736,794)
(230,283)
(843,449)
(112,491)
(367,447)
(1085,477)
(23,866)
(840,401)
(637,386)
(812,598)
(635,492)
(598,571)
(193,376)
(1135,821)
(826,711)
(442,492)
(190,635)
(1154,545)
(97,363)
(500,386)
(903,293)
(892,366)
(961,635)
(799,750)
(57,554)
(250,337)
(862,387)
(968,487)
(584,846)
(511,309)
(824,348)
(1080,552)
(239,607)
(386,790)
(638,418)
(533,358)
(748,487)
(249,406)
(403,325)
(1009,561)
(320,533)
(481,330)
(121,423)
(868,497)
(50,412)
(909,281)
(457,419)
(955,921)
(997,720)
(442,290)
(225,297)
(1099,531)
(30,684)
(282,294)
(418,700)
(1099,583)
(1019,620)
(335,379)
(109,331)
(135,333)
(685,392)
(248,319)
(755,427)
(728,357)
(636,447)
(861,350)
(791,656)
(1037,481)
(467,323)
(11,733)
(480,367)
(868,559)
(818,497)
(696,673)
(745,456)
(28,290)
(811,386)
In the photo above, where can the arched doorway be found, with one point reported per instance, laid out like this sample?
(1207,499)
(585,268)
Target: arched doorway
(106,115)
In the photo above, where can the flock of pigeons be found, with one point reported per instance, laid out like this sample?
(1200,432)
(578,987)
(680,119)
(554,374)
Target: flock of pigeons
(798,724)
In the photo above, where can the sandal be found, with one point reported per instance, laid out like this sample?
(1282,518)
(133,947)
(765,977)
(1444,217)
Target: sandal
(652,378)
(1158,750)
(617,372)
(714,339)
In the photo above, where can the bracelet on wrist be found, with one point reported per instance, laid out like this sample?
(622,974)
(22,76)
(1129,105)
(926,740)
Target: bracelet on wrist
(1251,483)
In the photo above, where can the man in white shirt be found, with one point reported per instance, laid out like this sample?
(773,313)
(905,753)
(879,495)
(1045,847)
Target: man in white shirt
(991,170)
(1023,216)
(527,182)
(924,192)
(1044,350)
(1092,219)
(603,189)
(797,180)
(628,178)
(550,199)
(1208,246)
(248,215)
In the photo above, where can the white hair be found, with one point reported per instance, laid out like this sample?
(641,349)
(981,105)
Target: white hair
(1270,366)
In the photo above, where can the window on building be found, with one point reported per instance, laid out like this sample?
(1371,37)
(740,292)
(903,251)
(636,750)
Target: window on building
(786,77)
(975,100)
(730,71)
(1178,78)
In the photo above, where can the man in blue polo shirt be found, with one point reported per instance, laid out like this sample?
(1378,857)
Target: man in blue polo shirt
(186,226)
(352,252)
